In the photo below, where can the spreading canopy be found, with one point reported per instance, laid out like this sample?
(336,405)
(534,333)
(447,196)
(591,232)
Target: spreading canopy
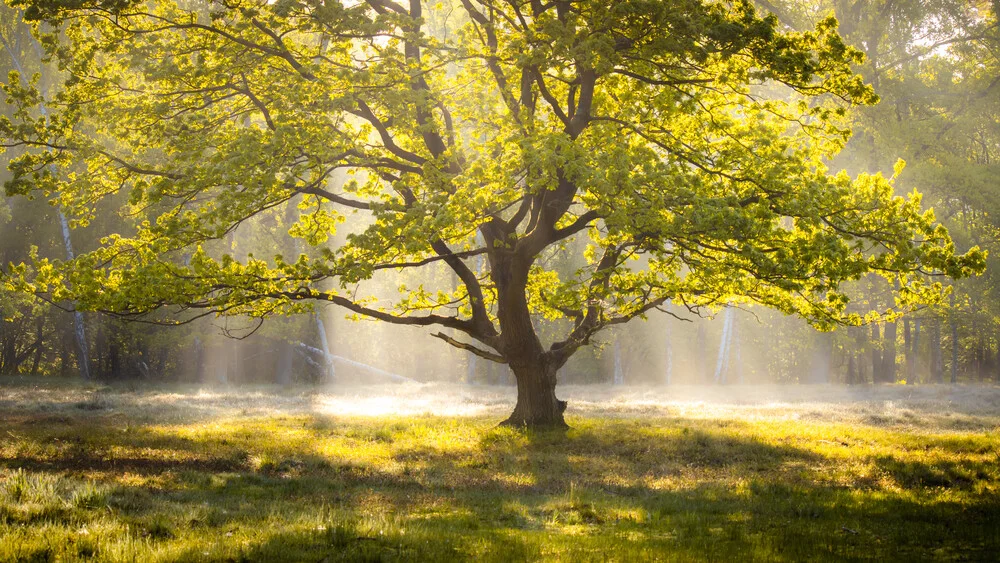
(678,145)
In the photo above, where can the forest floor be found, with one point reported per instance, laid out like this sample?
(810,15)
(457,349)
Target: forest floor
(420,472)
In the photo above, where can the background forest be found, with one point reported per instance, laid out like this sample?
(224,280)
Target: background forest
(935,65)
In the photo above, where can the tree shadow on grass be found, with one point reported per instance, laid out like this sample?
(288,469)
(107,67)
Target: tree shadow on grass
(621,491)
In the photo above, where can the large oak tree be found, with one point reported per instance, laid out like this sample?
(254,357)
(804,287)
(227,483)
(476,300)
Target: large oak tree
(683,140)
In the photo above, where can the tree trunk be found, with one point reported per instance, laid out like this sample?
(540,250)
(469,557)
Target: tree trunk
(668,345)
(700,365)
(7,348)
(954,342)
(619,376)
(79,329)
(537,405)
(889,353)
(996,365)
(876,355)
(978,359)
(937,362)
(907,352)
(534,369)
(330,373)
(722,363)
(822,358)
(285,364)
(735,337)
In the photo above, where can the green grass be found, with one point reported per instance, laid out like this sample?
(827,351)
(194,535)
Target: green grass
(112,474)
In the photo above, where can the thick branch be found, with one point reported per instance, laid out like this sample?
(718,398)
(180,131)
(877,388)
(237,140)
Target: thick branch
(591,321)
(581,223)
(588,81)
(480,317)
(365,112)
(384,6)
(332,197)
(492,356)
(424,320)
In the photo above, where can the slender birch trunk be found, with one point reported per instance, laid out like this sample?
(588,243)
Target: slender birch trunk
(79,329)
(722,361)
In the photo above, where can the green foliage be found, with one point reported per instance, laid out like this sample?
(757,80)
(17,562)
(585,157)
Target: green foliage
(642,126)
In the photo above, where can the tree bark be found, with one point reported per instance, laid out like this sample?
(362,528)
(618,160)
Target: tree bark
(537,405)
(722,363)
(954,342)
(668,346)
(937,362)
(889,353)
(907,352)
(619,375)
(7,348)
(83,353)
(534,369)
(876,354)
(996,365)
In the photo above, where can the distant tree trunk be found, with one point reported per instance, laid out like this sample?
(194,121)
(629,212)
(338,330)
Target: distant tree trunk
(937,354)
(852,369)
(889,354)
(954,342)
(64,355)
(861,351)
(996,365)
(199,360)
(979,358)
(907,352)
(79,330)
(114,352)
(914,369)
(701,365)
(722,361)
(36,362)
(822,358)
(668,345)
(221,359)
(619,374)
(239,371)
(101,351)
(470,368)
(876,354)
(737,345)
(285,362)
(331,373)
(7,347)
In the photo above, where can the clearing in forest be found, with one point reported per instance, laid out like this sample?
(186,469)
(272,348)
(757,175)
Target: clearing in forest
(420,472)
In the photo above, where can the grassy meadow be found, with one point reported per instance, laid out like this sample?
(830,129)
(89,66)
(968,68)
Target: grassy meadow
(402,473)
